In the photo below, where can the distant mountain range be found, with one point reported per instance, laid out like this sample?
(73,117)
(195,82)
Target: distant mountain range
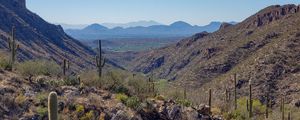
(132,24)
(176,29)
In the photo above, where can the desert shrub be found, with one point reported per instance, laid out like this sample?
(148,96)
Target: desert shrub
(140,87)
(241,112)
(20,99)
(133,102)
(88,116)
(113,80)
(71,80)
(79,108)
(42,111)
(38,67)
(121,97)
(4,61)
(42,97)
(184,102)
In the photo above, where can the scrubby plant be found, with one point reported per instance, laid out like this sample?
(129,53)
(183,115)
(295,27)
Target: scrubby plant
(71,80)
(79,108)
(88,116)
(52,106)
(4,61)
(241,113)
(121,97)
(133,102)
(184,102)
(42,111)
(38,67)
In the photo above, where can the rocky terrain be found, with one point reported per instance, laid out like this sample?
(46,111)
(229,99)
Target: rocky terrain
(38,38)
(264,48)
(27,100)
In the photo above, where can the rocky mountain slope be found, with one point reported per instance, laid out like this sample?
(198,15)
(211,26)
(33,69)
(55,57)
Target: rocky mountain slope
(39,39)
(265,48)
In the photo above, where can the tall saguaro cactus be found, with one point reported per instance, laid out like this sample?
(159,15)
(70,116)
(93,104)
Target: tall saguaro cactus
(52,106)
(282,108)
(209,100)
(13,47)
(66,66)
(100,60)
(235,93)
(250,98)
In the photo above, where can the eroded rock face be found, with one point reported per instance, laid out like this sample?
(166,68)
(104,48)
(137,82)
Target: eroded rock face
(225,25)
(273,13)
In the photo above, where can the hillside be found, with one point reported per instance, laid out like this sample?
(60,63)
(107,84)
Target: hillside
(265,48)
(38,38)
(176,29)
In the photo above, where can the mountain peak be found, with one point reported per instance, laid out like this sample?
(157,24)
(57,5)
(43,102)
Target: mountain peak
(95,26)
(180,24)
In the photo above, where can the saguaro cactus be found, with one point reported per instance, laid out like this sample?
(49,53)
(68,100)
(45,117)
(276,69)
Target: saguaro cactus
(100,60)
(13,47)
(250,98)
(235,93)
(282,108)
(66,66)
(267,105)
(184,93)
(52,106)
(209,100)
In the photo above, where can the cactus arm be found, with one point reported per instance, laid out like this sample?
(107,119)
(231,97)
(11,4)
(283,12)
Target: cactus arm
(103,62)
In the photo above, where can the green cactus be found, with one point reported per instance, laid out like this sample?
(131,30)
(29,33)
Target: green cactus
(235,93)
(250,98)
(209,100)
(282,108)
(184,93)
(13,47)
(66,66)
(100,60)
(267,105)
(52,106)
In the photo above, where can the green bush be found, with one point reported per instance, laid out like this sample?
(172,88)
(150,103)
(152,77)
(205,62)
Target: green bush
(133,102)
(88,116)
(122,97)
(184,102)
(79,108)
(241,112)
(38,67)
(42,111)
(71,81)
(4,61)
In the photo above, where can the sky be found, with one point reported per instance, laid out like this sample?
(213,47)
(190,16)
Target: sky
(196,12)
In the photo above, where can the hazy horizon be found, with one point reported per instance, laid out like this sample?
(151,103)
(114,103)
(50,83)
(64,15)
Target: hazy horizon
(194,12)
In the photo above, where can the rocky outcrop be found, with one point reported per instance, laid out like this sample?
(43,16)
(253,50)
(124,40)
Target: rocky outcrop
(225,25)
(273,13)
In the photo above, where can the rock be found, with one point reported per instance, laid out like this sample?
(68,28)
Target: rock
(297,103)
(120,115)
(120,106)
(41,80)
(225,25)
(203,109)
(107,96)
(175,113)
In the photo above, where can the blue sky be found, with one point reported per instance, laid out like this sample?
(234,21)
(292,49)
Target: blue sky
(198,12)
